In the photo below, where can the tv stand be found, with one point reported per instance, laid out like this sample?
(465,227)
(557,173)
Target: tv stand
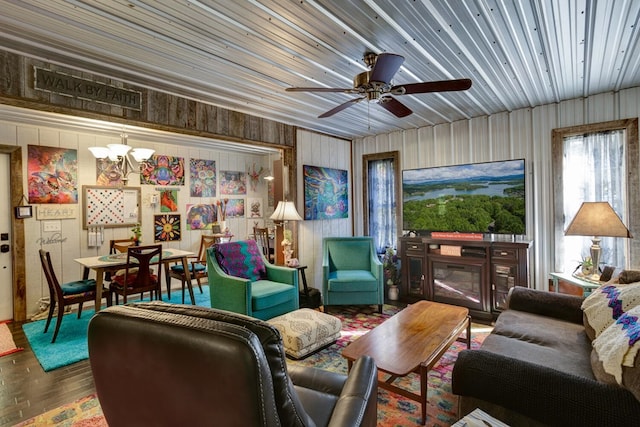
(476,274)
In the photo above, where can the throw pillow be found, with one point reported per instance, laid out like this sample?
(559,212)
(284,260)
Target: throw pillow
(606,304)
(629,276)
(241,259)
(615,357)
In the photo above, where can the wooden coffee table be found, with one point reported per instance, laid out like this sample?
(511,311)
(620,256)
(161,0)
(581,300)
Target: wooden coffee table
(412,341)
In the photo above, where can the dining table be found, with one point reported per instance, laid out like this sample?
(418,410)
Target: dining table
(113,262)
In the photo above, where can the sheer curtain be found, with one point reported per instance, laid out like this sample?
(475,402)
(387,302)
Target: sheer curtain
(594,170)
(382,203)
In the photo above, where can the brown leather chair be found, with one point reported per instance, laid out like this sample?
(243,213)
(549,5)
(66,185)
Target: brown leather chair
(213,367)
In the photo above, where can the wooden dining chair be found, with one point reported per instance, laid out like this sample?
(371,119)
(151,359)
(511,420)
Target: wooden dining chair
(261,236)
(66,294)
(120,245)
(138,276)
(197,267)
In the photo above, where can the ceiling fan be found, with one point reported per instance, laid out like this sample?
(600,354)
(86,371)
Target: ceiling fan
(375,85)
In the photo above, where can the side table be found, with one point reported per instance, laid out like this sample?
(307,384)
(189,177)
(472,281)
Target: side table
(586,285)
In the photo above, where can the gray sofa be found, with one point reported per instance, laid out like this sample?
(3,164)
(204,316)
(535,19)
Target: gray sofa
(535,368)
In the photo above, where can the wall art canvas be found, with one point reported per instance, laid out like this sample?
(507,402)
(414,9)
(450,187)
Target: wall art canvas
(168,201)
(325,193)
(52,174)
(108,173)
(166,228)
(233,182)
(202,175)
(163,170)
(235,208)
(201,217)
(255,207)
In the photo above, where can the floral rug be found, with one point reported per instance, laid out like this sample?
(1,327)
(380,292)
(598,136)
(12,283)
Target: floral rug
(393,410)
(7,345)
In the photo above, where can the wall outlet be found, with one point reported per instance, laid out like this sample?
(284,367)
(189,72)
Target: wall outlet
(51,226)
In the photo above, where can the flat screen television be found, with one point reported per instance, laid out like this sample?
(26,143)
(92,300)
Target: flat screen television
(472,198)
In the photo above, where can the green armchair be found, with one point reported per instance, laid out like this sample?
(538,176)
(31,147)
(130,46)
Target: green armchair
(242,281)
(351,272)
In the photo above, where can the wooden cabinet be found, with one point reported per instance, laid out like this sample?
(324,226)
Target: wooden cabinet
(474,274)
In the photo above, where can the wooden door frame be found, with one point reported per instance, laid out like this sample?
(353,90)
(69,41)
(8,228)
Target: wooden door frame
(17,233)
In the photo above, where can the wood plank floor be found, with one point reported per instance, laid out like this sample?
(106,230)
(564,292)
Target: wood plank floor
(26,390)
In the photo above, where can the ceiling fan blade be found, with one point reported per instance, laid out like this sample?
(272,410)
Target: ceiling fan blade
(394,106)
(320,89)
(426,87)
(340,107)
(386,66)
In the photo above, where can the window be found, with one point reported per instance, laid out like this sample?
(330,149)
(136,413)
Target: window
(381,180)
(592,163)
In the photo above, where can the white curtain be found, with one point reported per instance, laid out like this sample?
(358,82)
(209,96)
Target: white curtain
(594,170)
(382,204)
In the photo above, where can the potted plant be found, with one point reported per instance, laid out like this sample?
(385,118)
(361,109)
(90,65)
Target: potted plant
(391,272)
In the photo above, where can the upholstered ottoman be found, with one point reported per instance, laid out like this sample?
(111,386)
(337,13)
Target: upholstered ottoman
(304,331)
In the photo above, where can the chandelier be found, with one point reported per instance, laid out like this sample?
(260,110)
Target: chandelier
(116,158)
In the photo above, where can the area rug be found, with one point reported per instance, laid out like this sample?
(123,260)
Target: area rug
(7,345)
(71,343)
(393,410)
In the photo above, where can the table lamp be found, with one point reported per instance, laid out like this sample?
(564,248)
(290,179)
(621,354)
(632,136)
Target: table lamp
(285,212)
(597,219)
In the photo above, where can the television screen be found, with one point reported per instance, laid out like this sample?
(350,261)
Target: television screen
(473,198)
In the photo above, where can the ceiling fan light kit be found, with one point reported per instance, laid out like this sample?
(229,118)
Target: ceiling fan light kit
(375,85)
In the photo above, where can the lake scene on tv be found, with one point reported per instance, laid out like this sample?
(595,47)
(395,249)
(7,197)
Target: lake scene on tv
(472,198)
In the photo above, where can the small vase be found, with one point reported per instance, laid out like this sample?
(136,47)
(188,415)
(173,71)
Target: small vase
(393,293)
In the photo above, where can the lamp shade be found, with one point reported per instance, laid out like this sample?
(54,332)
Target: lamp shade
(597,219)
(285,211)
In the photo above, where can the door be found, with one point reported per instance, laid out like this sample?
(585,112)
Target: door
(6,271)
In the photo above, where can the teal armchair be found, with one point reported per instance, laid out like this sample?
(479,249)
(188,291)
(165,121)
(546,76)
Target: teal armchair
(351,272)
(242,281)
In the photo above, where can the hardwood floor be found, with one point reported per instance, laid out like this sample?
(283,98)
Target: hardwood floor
(26,390)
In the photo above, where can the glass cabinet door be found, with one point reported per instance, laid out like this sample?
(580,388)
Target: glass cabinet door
(415,275)
(504,278)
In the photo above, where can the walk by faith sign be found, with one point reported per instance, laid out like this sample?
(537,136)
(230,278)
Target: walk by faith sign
(77,87)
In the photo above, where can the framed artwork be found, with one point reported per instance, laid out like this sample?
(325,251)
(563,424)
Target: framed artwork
(163,170)
(201,216)
(168,201)
(233,182)
(23,212)
(108,173)
(167,228)
(255,207)
(52,174)
(325,193)
(203,178)
(110,206)
(235,208)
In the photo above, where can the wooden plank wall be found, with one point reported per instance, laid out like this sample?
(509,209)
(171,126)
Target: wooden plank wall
(159,110)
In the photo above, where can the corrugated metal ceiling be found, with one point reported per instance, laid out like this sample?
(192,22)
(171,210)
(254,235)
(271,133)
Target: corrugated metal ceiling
(241,55)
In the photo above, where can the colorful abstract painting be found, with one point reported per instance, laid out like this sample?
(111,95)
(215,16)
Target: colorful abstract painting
(233,182)
(166,228)
(201,217)
(52,175)
(235,208)
(108,174)
(255,207)
(202,175)
(163,170)
(168,201)
(326,193)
